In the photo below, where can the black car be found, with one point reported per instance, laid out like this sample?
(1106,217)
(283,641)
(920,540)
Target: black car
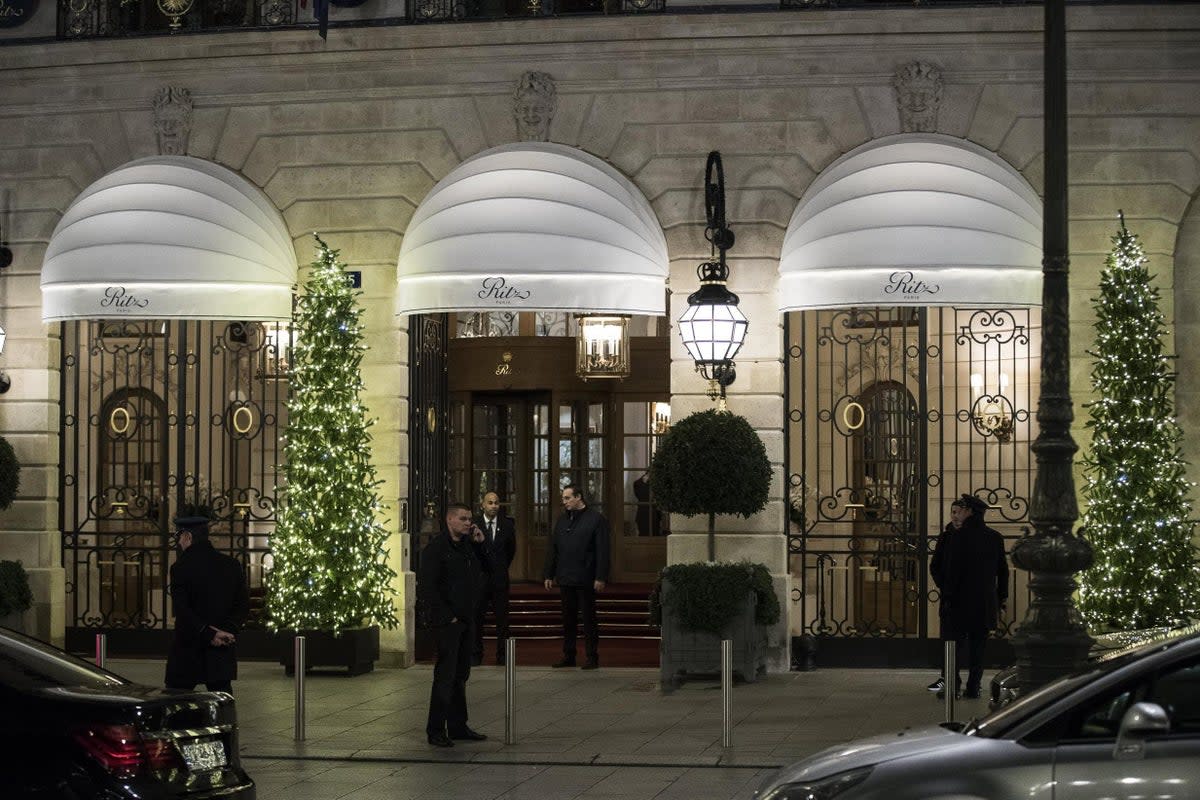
(72,731)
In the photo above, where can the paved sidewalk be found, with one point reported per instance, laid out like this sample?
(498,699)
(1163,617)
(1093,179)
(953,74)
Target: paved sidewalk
(608,733)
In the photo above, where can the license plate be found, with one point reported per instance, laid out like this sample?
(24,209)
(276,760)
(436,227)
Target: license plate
(203,755)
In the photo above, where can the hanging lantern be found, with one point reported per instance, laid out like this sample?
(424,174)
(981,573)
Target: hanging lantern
(713,327)
(602,347)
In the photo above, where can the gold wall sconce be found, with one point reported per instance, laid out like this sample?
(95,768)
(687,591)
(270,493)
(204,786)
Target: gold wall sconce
(991,413)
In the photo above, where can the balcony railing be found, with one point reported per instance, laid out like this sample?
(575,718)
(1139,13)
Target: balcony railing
(100,18)
(103,18)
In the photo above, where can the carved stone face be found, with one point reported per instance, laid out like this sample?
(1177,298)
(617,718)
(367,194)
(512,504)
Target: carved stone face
(918,96)
(173,119)
(534,103)
(173,124)
(533,112)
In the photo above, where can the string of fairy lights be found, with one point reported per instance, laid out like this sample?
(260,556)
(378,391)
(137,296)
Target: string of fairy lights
(1137,516)
(330,569)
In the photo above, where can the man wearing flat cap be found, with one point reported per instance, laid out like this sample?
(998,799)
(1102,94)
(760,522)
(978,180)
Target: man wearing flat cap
(208,593)
(971,572)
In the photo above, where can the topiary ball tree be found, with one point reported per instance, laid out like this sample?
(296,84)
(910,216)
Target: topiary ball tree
(711,462)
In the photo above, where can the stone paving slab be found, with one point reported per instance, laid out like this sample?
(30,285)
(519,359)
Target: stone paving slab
(580,735)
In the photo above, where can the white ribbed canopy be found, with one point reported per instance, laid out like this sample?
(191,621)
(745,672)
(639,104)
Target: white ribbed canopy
(533,226)
(170,237)
(918,220)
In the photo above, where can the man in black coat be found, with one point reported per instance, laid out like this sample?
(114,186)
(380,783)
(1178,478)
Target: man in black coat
(210,601)
(449,583)
(500,542)
(971,572)
(577,559)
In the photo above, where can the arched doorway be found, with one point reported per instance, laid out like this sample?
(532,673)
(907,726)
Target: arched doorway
(522,424)
(909,277)
(498,261)
(131,484)
(886,474)
(172,279)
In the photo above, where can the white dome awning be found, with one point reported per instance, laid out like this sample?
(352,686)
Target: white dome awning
(169,237)
(533,226)
(914,220)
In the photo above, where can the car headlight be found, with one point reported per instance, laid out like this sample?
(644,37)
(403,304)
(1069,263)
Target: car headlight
(824,789)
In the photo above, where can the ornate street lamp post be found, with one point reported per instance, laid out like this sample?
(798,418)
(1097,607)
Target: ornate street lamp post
(713,327)
(1052,640)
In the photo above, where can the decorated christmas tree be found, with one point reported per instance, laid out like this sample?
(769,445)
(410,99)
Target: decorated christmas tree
(1137,517)
(330,571)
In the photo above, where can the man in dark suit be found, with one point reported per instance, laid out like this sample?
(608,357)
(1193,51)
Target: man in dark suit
(500,540)
(208,593)
(577,560)
(449,582)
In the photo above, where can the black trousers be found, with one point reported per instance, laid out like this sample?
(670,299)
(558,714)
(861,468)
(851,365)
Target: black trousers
(497,598)
(448,698)
(573,599)
(968,648)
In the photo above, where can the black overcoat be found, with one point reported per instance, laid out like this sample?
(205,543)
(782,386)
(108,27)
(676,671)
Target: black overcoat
(208,590)
(502,549)
(577,553)
(971,572)
(449,580)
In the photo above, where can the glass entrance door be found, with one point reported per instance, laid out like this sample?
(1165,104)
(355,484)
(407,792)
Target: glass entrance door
(515,445)
(501,443)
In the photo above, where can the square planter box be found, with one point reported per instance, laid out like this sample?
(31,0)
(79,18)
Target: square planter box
(685,653)
(355,650)
(14,621)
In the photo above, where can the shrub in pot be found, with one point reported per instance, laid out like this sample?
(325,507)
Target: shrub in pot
(711,462)
(15,595)
(10,474)
(700,604)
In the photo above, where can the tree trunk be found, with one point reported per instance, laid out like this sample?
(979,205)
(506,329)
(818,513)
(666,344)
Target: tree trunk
(712,537)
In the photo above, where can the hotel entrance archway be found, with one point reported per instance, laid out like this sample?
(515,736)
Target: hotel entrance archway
(522,424)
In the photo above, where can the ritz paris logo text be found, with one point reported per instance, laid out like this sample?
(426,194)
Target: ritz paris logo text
(906,283)
(497,289)
(118,298)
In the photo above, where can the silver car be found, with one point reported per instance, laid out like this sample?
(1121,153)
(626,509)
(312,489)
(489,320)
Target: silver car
(1125,728)
(1004,686)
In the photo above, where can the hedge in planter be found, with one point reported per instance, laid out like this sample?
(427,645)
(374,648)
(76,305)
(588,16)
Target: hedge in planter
(15,595)
(700,604)
(705,596)
(711,462)
(10,474)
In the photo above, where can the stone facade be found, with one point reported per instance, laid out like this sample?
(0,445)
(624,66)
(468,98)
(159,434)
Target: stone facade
(347,136)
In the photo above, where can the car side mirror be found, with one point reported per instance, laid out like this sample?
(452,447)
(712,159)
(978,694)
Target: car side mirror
(1140,722)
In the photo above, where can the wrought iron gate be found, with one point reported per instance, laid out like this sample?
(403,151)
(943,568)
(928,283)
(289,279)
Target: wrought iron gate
(161,418)
(428,428)
(893,413)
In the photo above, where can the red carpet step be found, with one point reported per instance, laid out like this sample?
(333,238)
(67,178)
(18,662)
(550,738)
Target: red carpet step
(535,620)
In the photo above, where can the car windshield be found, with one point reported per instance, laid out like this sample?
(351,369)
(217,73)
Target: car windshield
(26,663)
(1000,721)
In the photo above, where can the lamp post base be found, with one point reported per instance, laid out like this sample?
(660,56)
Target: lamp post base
(1052,641)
